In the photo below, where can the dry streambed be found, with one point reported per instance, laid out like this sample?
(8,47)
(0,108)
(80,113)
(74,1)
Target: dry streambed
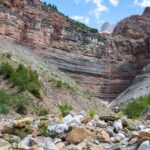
(74,132)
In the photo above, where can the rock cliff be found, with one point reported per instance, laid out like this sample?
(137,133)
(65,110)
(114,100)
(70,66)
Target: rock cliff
(104,64)
(107,28)
(134,40)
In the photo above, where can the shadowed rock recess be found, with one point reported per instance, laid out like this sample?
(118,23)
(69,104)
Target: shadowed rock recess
(105,64)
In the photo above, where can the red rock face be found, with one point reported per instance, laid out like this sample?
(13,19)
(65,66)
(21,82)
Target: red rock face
(134,31)
(103,64)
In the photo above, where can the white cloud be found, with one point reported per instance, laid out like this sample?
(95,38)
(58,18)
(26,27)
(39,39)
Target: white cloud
(114,2)
(142,3)
(100,7)
(82,19)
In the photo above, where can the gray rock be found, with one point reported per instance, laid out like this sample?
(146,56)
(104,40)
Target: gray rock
(139,127)
(4,145)
(25,142)
(67,120)
(96,142)
(131,147)
(91,125)
(110,131)
(112,147)
(101,124)
(41,142)
(145,146)
(121,136)
(58,128)
(83,113)
(78,119)
(118,125)
(45,143)
(72,113)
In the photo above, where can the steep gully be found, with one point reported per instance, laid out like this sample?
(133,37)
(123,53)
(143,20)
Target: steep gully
(104,64)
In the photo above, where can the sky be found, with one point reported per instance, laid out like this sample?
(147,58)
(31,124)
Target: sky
(95,12)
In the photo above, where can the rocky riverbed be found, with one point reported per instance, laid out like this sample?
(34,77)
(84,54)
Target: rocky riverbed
(76,131)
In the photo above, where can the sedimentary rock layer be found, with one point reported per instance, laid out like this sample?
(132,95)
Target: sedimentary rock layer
(104,64)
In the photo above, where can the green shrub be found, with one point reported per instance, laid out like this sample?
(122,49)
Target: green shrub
(6,69)
(136,108)
(23,77)
(17,102)
(92,113)
(43,129)
(21,104)
(4,102)
(60,83)
(4,109)
(43,112)
(65,109)
(120,114)
(88,93)
(78,24)
(53,7)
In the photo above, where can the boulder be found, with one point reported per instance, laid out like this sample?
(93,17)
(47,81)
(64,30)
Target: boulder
(61,146)
(133,141)
(77,135)
(109,118)
(103,136)
(23,122)
(145,146)
(121,135)
(118,125)
(4,145)
(38,142)
(58,128)
(110,131)
(92,146)
(67,120)
(144,134)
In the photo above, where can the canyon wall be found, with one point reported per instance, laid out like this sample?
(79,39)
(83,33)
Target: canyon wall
(104,64)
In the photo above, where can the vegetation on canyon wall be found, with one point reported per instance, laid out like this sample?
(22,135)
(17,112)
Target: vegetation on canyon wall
(23,77)
(136,108)
(17,101)
(75,23)
(52,6)
(78,24)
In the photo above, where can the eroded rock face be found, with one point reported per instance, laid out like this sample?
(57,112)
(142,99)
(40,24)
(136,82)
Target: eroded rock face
(104,64)
(134,32)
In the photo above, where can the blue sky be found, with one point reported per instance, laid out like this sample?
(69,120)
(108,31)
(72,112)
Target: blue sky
(95,12)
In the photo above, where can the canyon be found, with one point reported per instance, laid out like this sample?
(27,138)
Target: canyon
(108,65)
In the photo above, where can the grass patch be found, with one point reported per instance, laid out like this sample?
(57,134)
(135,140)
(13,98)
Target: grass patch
(43,112)
(78,24)
(17,102)
(4,102)
(43,129)
(120,114)
(65,109)
(63,83)
(23,77)
(136,108)
(88,93)
(92,114)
